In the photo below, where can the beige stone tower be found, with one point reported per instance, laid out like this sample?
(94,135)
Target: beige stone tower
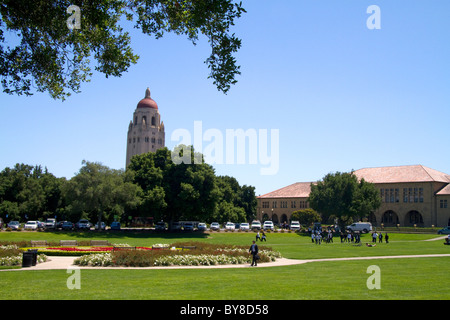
(146,131)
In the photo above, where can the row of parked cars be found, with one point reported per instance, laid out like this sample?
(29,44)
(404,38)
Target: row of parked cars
(52,224)
(255,225)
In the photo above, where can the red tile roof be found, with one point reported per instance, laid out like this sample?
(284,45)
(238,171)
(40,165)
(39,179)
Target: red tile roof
(445,191)
(296,190)
(399,174)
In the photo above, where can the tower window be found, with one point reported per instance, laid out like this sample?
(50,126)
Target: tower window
(153,121)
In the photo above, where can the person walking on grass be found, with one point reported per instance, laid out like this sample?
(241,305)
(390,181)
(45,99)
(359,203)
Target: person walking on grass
(254,252)
(386,238)
(263,237)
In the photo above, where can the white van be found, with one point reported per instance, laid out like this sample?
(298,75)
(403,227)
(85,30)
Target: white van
(360,226)
(268,225)
(256,225)
(295,225)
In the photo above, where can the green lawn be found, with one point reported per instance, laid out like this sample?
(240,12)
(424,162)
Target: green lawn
(409,278)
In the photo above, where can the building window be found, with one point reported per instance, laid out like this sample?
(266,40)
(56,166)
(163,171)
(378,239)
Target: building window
(265,204)
(420,194)
(153,121)
(283,204)
(293,204)
(443,204)
(147,139)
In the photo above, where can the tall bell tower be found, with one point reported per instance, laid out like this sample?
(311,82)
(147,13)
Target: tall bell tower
(145,131)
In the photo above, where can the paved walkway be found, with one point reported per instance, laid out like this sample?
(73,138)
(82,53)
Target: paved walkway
(56,263)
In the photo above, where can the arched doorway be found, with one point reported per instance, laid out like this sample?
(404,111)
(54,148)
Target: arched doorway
(275,219)
(373,219)
(412,218)
(389,219)
(284,218)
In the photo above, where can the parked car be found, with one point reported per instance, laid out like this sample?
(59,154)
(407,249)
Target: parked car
(256,225)
(188,226)
(364,227)
(268,225)
(31,225)
(160,226)
(201,226)
(83,224)
(446,230)
(41,225)
(245,226)
(59,224)
(50,223)
(214,226)
(14,225)
(67,225)
(295,225)
(175,226)
(102,226)
(115,225)
(230,226)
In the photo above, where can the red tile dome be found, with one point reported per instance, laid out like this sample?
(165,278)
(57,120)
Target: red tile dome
(147,102)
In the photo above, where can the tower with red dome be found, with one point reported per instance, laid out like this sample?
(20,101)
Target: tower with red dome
(146,131)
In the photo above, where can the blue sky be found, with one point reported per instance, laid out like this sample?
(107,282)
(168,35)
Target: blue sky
(341,96)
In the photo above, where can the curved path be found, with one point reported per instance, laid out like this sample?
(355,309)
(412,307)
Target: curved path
(55,263)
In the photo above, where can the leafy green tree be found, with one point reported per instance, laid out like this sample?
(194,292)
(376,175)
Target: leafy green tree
(28,192)
(306,217)
(54,58)
(341,195)
(100,193)
(241,197)
(174,189)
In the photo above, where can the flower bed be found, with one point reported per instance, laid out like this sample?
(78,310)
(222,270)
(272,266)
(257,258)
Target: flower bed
(202,255)
(10,255)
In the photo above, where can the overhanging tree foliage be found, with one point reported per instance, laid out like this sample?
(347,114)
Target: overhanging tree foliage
(37,49)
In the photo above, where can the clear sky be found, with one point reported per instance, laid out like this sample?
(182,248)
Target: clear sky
(342,96)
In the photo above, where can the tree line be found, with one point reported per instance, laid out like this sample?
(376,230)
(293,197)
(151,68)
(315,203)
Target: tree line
(153,185)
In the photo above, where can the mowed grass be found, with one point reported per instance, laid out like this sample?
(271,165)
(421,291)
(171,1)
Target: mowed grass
(407,278)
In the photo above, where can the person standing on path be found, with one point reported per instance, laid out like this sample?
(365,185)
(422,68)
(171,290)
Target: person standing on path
(254,252)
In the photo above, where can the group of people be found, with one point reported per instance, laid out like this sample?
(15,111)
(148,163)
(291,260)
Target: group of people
(318,236)
(376,236)
(261,238)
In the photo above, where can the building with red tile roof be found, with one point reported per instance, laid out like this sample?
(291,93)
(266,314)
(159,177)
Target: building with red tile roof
(410,195)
